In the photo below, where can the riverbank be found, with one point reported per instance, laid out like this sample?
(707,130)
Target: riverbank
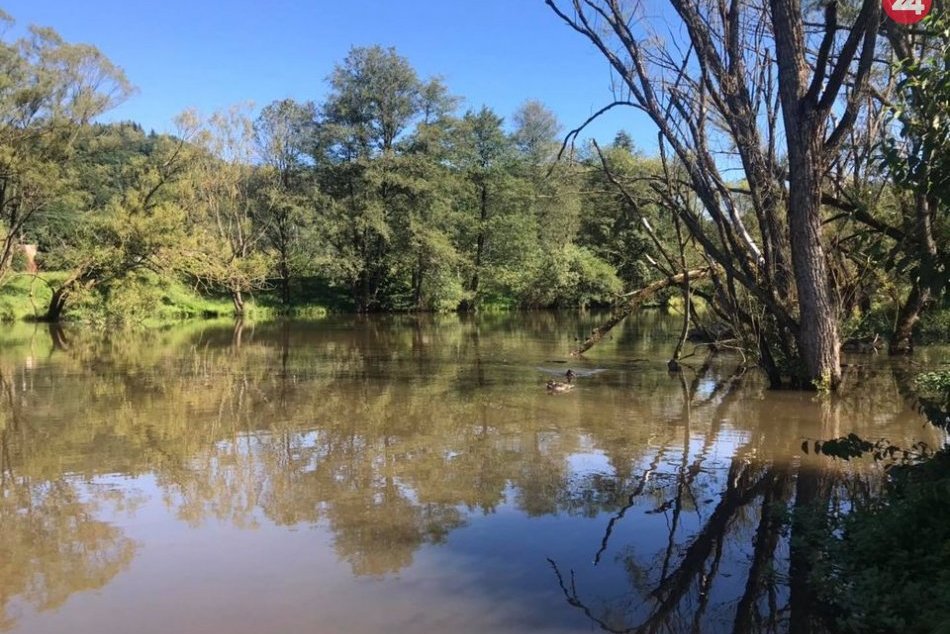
(145,301)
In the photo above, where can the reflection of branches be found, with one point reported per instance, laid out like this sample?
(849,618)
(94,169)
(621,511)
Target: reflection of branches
(727,387)
(766,541)
(687,474)
(739,492)
(631,500)
(574,600)
(684,481)
(744,484)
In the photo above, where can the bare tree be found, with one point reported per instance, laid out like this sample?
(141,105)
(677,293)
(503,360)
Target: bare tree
(714,87)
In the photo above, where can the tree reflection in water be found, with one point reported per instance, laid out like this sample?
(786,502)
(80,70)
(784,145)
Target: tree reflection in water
(756,515)
(393,433)
(51,544)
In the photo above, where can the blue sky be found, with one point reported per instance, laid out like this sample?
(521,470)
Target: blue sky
(210,54)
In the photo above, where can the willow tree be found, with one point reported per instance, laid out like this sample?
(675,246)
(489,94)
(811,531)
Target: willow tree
(761,81)
(138,228)
(228,254)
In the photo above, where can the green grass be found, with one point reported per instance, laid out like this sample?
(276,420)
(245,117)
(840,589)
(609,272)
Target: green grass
(25,297)
(177,302)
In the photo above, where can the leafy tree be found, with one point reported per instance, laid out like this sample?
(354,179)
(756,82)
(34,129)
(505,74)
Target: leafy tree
(610,226)
(918,160)
(140,228)
(223,205)
(50,90)
(484,157)
(284,134)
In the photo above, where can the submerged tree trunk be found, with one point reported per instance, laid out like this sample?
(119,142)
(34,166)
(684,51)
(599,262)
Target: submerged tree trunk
(818,342)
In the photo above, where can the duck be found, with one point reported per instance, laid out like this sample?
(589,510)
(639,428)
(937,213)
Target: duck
(558,387)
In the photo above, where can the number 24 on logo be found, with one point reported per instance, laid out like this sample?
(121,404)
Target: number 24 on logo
(917,6)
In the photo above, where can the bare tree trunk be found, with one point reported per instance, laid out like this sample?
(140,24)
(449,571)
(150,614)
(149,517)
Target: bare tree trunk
(818,340)
(807,97)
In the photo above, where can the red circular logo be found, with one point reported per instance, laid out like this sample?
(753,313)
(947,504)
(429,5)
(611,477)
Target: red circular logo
(907,11)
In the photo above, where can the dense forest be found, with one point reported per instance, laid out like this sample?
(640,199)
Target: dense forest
(386,197)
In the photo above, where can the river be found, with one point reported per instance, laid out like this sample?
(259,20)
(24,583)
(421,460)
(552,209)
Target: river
(410,475)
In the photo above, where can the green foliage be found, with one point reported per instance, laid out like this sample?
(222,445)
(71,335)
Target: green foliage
(935,386)
(572,276)
(885,566)
(610,226)
(49,91)
(934,326)
(25,297)
(918,158)
(890,571)
(921,158)
(381,193)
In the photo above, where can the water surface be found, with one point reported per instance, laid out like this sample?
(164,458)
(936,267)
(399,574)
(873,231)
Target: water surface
(408,475)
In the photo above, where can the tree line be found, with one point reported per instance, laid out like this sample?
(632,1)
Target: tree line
(386,197)
(383,197)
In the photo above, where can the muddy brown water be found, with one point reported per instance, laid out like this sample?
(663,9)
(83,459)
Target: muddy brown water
(408,475)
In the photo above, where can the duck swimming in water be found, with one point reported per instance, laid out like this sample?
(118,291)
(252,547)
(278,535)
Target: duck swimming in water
(568,385)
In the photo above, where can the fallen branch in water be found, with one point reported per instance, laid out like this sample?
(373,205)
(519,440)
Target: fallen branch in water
(633,301)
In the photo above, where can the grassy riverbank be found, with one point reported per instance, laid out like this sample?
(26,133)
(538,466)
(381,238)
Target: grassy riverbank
(146,301)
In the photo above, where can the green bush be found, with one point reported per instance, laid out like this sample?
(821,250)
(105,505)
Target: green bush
(885,567)
(890,571)
(571,276)
(934,326)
